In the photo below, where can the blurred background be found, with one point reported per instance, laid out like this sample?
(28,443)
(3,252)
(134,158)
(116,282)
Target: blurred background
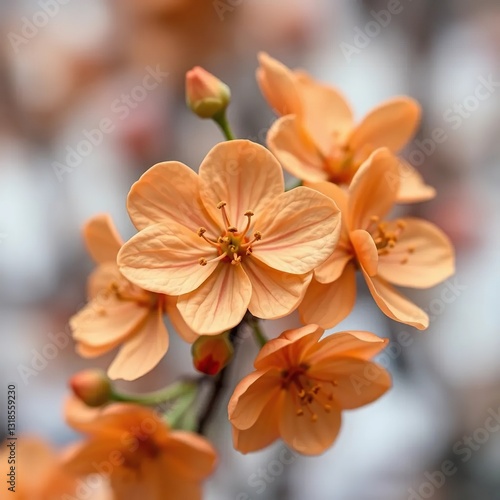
(66,66)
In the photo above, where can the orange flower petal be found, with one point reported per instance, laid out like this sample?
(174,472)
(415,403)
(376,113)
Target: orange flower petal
(395,305)
(243,174)
(87,454)
(328,304)
(168,190)
(290,344)
(354,344)
(304,435)
(357,382)
(326,115)
(219,303)
(295,150)
(164,258)
(366,250)
(178,322)
(101,278)
(391,125)
(106,320)
(264,431)
(430,262)
(274,293)
(191,456)
(102,239)
(142,351)
(278,85)
(300,229)
(412,188)
(251,395)
(374,189)
(90,351)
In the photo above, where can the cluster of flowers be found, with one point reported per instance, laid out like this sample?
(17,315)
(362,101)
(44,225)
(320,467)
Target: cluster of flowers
(221,249)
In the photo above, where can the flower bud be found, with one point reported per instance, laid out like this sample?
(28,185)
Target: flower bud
(211,353)
(206,95)
(92,386)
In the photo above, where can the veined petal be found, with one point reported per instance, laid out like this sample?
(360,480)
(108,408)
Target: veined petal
(357,382)
(354,344)
(289,348)
(304,435)
(366,250)
(243,174)
(295,150)
(277,84)
(300,229)
(325,113)
(394,305)
(178,322)
(165,258)
(102,239)
(328,304)
(412,187)
(251,395)
(142,351)
(219,303)
(391,125)
(422,257)
(374,189)
(274,293)
(168,190)
(264,431)
(107,320)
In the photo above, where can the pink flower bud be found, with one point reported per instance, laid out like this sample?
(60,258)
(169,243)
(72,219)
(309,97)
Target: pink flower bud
(91,386)
(206,95)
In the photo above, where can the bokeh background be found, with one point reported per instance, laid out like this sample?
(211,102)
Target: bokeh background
(67,65)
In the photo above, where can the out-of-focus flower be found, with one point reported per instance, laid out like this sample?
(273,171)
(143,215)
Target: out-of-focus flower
(120,313)
(406,252)
(316,139)
(206,95)
(300,387)
(227,239)
(33,470)
(91,386)
(140,455)
(211,353)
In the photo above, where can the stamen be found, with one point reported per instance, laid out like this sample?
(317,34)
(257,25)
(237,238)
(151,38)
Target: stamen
(201,233)
(221,206)
(204,262)
(236,259)
(249,214)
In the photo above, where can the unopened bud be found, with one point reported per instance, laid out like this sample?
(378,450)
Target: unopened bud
(206,95)
(211,353)
(92,386)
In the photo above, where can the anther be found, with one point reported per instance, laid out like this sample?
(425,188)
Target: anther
(203,262)
(404,260)
(201,231)
(249,213)
(300,412)
(257,235)
(221,204)
(232,229)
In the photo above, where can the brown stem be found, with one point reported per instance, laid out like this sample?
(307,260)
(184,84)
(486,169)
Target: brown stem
(218,385)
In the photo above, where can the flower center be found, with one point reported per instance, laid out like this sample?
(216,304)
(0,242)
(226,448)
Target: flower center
(309,394)
(232,244)
(124,290)
(386,235)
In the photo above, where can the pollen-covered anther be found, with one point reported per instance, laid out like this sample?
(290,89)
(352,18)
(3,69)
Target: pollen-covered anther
(232,229)
(203,262)
(201,231)
(221,204)
(236,259)
(249,214)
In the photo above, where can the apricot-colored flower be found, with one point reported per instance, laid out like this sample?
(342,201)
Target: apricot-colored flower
(227,239)
(300,387)
(139,455)
(120,313)
(316,139)
(37,472)
(406,252)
